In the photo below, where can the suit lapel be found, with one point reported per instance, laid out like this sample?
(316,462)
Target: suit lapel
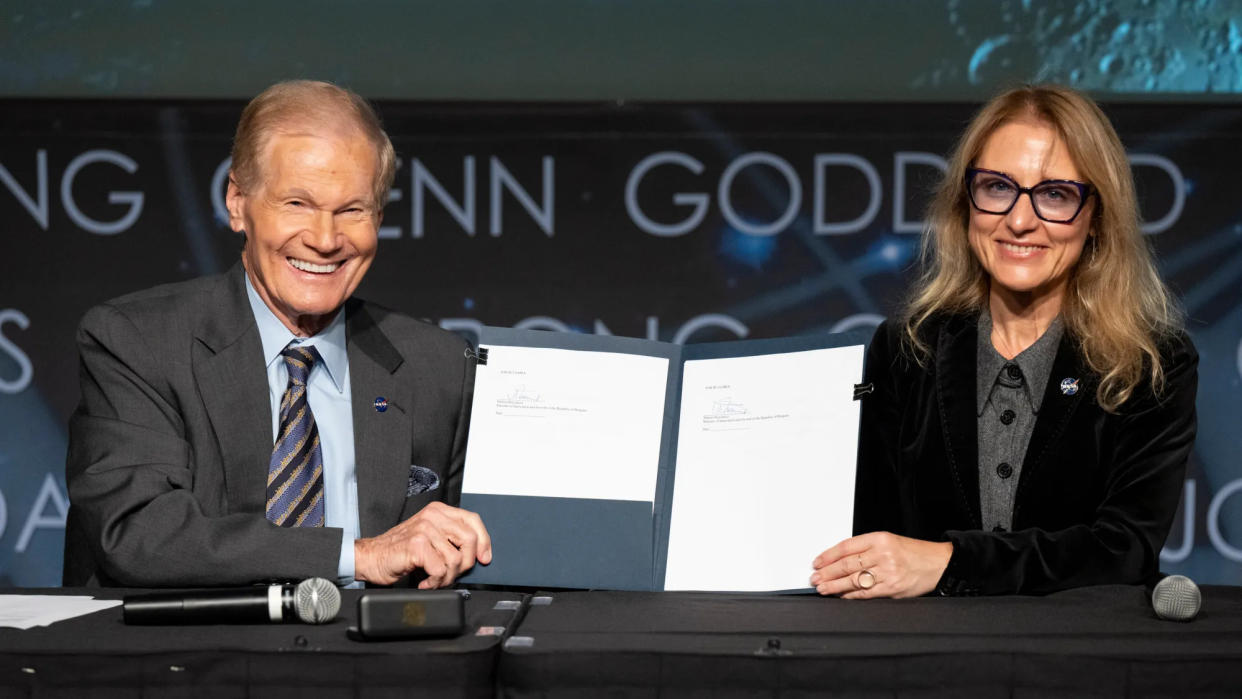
(1054,413)
(381,439)
(228,368)
(956,359)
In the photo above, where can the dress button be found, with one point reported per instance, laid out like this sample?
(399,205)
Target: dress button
(1014,372)
(998,528)
(1004,470)
(1007,417)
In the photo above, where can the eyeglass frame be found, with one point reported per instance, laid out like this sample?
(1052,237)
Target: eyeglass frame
(1085,192)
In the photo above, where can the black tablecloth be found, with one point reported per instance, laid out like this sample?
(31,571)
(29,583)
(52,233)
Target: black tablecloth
(99,656)
(1102,641)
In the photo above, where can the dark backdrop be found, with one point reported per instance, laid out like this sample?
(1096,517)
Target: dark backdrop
(679,222)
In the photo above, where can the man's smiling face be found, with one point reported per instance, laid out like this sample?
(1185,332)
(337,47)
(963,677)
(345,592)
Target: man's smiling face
(311,222)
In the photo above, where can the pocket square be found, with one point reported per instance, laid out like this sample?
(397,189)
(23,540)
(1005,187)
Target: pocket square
(421,480)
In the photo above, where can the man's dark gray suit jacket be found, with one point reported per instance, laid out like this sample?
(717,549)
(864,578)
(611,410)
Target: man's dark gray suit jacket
(169,448)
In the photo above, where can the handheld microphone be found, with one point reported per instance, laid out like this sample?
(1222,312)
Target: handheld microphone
(312,601)
(1176,598)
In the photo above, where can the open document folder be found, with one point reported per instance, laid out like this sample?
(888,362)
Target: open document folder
(615,463)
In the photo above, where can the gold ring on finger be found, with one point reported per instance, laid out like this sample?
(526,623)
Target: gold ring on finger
(866,580)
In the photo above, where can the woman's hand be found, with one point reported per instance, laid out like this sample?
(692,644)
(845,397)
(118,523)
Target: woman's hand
(898,566)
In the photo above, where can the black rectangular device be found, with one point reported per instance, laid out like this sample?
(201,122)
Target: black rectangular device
(410,613)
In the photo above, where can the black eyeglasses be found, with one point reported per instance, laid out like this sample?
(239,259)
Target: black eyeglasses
(1055,201)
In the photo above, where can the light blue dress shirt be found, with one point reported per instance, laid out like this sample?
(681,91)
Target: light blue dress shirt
(329,397)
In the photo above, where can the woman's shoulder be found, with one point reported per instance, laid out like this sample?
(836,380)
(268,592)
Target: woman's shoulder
(912,350)
(898,335)
(889,338)
(1179,376)
(1177,349)
(1179,362)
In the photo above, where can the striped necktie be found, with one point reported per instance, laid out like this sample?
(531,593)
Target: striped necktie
(295,474)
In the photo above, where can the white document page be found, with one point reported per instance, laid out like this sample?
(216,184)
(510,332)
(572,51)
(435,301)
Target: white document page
(28,611)
(765,469)
(566,423)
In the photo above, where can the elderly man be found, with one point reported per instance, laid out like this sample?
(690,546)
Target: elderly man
(264,425)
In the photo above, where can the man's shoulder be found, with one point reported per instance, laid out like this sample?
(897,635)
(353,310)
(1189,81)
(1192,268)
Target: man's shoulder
(408,332)
(171,297)
(170,306)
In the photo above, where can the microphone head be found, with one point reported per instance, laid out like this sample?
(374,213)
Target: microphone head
(316,601)
(1176,598)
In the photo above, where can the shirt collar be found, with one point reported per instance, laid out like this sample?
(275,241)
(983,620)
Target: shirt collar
(275,337)
(1034,361)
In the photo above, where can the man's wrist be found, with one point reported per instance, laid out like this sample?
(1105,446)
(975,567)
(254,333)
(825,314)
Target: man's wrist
(345,568)
(360,560)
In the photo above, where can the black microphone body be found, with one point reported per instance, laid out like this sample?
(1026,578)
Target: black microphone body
(236,606)
(311,601)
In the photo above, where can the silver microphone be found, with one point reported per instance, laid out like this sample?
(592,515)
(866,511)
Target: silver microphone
(1176,598)
(317,601)
(312,601)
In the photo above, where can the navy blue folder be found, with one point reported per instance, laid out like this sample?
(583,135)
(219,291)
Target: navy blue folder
(589,543)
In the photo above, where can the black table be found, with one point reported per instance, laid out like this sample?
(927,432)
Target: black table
(1091,642)
(99,656)
(1102,641)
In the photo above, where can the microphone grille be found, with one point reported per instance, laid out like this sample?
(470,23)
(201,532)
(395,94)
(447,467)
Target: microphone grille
(1176,598)
(316,601)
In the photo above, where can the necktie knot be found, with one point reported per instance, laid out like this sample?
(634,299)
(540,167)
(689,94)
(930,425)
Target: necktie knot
(299,360)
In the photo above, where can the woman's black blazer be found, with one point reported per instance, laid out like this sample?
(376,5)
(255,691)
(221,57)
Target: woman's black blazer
(1097,491)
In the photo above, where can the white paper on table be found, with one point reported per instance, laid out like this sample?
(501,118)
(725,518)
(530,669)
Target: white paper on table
(566,423)
(765,469)
(28,611)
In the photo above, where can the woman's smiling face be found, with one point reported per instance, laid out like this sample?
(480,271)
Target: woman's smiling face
(1022,253)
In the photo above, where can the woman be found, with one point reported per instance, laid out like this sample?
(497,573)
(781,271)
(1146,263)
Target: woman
(1034,405)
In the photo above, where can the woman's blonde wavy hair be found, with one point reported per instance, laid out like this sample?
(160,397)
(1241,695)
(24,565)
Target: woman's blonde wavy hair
(1116,308)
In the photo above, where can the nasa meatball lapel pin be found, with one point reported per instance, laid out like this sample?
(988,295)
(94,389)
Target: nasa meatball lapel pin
(1069,386)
